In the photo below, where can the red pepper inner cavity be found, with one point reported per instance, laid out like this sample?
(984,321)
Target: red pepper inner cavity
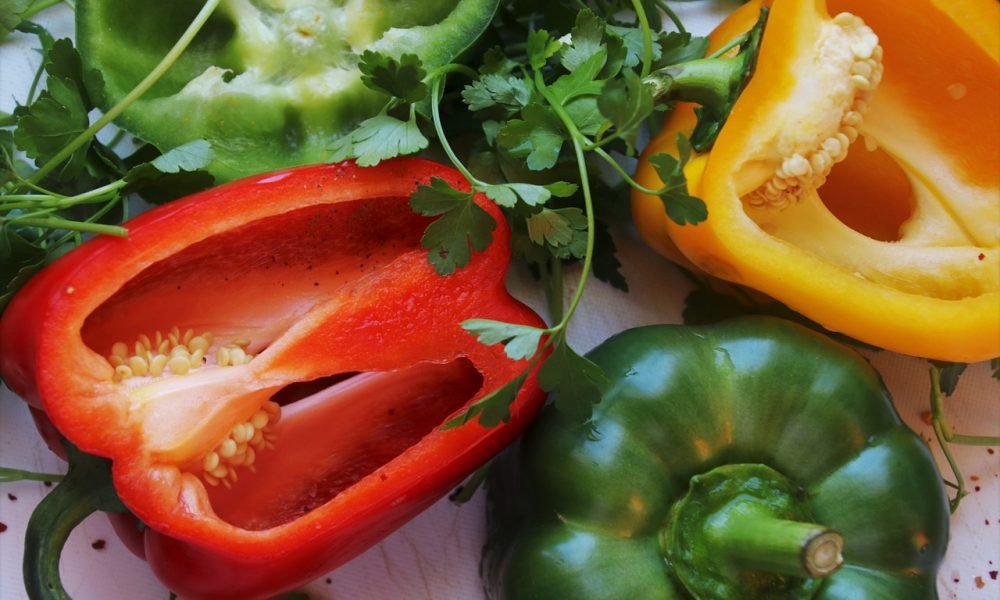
(331,439)
(231,303)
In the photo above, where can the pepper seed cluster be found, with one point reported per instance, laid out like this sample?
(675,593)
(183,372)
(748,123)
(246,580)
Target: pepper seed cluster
(174,352)
(802,171)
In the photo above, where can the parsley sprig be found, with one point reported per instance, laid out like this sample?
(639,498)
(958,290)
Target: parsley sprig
(553,117)
(76,184)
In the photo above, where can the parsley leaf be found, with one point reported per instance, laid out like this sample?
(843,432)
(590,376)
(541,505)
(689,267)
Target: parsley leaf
(402,78)
(172,175)
(541,47)
(538,137)
(191,156)
(461,223)
(492,409)
(561,228)
(59,114)
(587,40)
(20,259)
(379,138)
(950,374)
(493,89)
(681,207)
(626,103)
(680,47)
(579,381)
(506,194)
(633,42)
(520,341)
(580,82)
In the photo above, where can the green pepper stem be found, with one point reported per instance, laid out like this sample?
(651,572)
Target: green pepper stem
(85,489)
(759,541)
(710,82)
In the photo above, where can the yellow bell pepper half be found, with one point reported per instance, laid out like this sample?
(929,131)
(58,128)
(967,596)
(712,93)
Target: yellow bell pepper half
(857,179)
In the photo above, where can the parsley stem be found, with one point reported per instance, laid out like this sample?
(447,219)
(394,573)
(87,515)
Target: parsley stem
(168,60)
(662,4)
(60,223)
(647,37)
(8,475)
(938,414)
(436,87)
(624,174)
(588,202)
(736,41)
(946,436)
(59,201)
(444,70)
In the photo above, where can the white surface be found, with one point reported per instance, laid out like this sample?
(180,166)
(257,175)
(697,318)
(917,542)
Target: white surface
(436,555)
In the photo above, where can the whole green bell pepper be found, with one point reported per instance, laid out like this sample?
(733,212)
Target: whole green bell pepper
(269,83)
(748,459)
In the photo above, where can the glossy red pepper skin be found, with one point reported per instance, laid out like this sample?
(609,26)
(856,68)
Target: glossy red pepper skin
(373,304)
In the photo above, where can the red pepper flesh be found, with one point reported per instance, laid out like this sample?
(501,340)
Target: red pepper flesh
(318,274)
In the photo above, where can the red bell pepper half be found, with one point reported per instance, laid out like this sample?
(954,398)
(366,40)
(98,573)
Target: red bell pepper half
(268,364)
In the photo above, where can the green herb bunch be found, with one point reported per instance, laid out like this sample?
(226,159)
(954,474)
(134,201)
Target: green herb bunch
(546,127)
(58,181)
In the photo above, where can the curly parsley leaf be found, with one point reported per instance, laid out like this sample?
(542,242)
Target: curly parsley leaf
(520,341)
(461,224)
(492,409)
(579,381)
(379,138)
(402,78)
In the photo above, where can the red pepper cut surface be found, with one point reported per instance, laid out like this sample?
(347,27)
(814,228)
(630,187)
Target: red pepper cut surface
(268,364)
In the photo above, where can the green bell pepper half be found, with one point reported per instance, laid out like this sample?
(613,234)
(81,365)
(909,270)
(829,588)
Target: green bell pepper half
(747,459)
(269,83)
